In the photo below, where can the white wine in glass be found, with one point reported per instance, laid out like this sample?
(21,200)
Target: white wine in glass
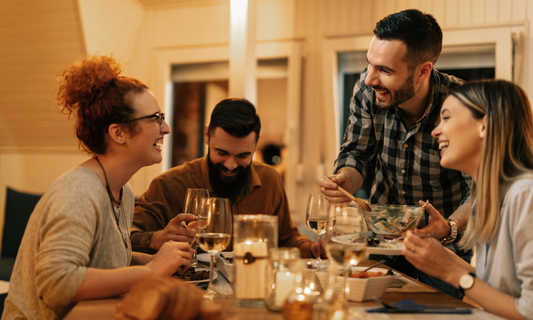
(213,231)
(316,215)
(215,242)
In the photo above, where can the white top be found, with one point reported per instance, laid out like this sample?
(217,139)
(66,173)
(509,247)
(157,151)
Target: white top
(506,262)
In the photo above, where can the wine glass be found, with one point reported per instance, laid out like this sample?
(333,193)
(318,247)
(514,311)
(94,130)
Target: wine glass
(193,198)
(345,240)
(316,216)
(213,231)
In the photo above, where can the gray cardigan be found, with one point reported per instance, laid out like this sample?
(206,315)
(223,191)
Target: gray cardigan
(506,262)
(72,227)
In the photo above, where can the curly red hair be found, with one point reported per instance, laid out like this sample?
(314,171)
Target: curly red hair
(93,90)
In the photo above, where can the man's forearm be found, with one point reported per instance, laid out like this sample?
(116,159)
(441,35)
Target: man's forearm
(141,239)
(461,215)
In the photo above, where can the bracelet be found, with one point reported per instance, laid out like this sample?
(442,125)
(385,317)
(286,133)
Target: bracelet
(453,232)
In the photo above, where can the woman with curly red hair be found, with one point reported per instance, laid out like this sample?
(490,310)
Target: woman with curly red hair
(76,245)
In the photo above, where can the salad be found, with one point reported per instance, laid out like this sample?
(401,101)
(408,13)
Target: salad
(393,219)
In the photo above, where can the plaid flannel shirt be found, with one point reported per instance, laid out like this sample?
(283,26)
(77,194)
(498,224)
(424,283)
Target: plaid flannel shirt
(406,161)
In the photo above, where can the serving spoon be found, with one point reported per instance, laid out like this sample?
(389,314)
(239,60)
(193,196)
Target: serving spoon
(359,201)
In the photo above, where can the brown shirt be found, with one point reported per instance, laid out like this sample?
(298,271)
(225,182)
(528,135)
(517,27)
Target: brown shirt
(264,194)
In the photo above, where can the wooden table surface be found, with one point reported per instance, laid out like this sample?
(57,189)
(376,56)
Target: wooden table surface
(104,309)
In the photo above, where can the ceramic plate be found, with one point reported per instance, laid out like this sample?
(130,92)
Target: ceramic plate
(386,251)
(319,264)
(396,251)
(204,257)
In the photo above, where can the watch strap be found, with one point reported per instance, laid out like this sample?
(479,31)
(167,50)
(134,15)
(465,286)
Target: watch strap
(453,232)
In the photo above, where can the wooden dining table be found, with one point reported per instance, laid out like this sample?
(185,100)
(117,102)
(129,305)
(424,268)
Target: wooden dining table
(104,309)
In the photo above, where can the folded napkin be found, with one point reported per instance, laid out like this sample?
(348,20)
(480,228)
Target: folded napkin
(409,306)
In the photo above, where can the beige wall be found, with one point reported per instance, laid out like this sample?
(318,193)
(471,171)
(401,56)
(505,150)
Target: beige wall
(40,36)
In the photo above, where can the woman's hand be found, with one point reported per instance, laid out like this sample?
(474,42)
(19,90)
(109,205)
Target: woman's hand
(171,257)
(430,257)
(437,226)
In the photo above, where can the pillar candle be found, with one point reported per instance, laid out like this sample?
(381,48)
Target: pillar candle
(250,278)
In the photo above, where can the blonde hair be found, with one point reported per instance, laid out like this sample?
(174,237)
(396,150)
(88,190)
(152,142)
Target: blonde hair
(506,150)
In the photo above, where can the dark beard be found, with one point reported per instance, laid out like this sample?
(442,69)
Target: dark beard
(227,187)
(401,95)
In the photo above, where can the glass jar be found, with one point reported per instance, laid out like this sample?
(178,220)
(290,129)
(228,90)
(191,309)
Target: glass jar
(299,305)
(332,304)
(253,237)
(281,272)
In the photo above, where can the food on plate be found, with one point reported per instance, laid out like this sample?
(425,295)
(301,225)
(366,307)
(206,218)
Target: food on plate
(192,275)
(376,243)
(393,219)
(367,274)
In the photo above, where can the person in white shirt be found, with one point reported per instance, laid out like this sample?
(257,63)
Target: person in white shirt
(486,131)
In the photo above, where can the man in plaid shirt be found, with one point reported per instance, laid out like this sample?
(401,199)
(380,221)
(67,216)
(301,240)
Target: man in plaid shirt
(396,104)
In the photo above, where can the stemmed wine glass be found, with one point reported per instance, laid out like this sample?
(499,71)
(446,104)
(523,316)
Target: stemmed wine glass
(213,231)
(316,216)
(193,200)
(345,240)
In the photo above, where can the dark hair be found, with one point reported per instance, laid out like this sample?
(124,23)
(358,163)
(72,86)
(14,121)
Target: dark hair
(235,116)
(419,31)
(93,90)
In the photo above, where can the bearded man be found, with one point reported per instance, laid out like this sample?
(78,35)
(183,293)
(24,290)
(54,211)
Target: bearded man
(228,172)
(395,105)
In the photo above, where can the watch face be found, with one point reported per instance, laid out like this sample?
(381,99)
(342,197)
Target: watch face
(466,281)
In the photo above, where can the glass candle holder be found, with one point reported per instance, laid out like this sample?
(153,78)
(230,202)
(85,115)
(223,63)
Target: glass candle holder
(281,272)
(299,303)
(253,236)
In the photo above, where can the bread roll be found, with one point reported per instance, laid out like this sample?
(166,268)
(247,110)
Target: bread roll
(160,298)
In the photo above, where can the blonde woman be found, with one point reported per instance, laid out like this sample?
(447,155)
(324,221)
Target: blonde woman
(486,131)
(76,244)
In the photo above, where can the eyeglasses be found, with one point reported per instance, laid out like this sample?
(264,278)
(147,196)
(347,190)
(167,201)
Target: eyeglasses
(158,116)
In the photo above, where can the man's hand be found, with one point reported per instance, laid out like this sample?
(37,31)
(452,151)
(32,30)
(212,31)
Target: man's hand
(329,188)
(437,226)
(174,231)
(314,249)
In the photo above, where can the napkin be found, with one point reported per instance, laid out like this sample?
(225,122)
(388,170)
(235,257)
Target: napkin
(409,306)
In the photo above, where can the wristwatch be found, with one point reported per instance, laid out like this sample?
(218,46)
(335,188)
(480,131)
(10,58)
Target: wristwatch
(453,232)
(466,281)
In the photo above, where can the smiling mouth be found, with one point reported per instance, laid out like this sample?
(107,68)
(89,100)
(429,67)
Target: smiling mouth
(228,173)
(443,145)
(381,93)
(159,144)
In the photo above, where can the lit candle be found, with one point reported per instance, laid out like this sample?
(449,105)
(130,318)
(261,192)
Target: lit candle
(250,277)
(284,284)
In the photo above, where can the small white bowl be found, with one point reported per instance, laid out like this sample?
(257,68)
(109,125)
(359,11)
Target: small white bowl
(224,267)
(361,289)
